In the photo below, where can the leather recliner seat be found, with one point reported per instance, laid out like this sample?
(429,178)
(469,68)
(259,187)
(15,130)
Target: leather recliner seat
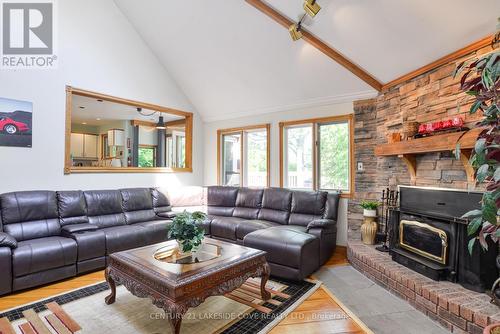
(298,229)
(42,255)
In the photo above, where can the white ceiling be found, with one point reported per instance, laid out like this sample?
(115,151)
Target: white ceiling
(98,113)
(231,60)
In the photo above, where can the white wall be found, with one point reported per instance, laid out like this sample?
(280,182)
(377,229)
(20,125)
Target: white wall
(98,50)
(210,139)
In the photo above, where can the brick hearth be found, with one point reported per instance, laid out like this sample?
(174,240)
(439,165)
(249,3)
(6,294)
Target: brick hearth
(454,307)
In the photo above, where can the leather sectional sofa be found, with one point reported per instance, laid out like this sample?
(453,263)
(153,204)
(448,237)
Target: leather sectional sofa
(298,229)
(47,236)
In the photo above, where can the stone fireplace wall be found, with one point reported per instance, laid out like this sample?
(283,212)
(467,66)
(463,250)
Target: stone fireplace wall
(432,96)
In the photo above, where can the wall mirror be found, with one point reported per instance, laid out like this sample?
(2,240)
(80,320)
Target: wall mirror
(106,134)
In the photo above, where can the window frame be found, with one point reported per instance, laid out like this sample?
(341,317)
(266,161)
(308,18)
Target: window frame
(315,123)
(241,131)
(151,147)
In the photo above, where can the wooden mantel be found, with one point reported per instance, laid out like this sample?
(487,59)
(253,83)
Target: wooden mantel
(408,150)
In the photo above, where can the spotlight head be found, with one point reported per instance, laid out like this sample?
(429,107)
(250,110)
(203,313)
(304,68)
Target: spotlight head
(295,32)
(311,7)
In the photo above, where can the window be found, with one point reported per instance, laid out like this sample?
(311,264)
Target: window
(175,149)
(298,157)
(147,156)
(243,156)
(317,154)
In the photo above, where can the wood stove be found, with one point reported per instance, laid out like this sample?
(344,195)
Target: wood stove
(428,235)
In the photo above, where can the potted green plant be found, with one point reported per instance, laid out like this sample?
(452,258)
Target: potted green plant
(481,80)
(187,230)
(369,227)
(369,208)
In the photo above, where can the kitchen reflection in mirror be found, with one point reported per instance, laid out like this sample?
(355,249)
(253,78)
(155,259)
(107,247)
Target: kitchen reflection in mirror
(111,134)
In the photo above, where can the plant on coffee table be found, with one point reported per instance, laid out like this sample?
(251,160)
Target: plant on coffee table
(187,230)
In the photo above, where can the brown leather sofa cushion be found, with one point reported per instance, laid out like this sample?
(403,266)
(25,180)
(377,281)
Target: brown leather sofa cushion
(222,196)
(248,203)
(37,255)
(225,227)
(307,206)
(30,214)
(6,240)
(120,238)
(276,204)
(137,204)
(72,207)
(249,198)
(285,246)
(332,206)
(309,202)
(157,230)
(161,202)
(250,226)
(104,208)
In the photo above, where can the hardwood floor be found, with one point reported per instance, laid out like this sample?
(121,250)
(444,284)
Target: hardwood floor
(29,296)
(320,313)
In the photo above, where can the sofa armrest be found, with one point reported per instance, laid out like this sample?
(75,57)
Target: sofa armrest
(322,224)
(6,265)
(6,240)
(77,228)
(167,215)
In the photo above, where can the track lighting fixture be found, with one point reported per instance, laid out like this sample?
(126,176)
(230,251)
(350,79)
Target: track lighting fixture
(295,32)
(311,7)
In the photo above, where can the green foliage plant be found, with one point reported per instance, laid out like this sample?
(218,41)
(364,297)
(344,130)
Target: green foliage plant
(187,229)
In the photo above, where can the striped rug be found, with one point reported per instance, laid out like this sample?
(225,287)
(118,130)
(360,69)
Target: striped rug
(84,311)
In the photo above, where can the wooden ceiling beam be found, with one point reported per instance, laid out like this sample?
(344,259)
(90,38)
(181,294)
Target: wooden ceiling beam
(318,44)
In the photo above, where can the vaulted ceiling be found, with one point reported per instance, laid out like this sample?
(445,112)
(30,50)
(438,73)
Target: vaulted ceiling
(231,60)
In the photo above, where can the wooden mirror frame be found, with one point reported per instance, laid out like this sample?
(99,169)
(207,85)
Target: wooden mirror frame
(69,169)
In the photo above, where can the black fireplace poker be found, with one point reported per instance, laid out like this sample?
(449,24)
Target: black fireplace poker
(389,201)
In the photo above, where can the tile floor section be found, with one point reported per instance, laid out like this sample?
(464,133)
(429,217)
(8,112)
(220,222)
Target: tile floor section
(455,308)
(381,311)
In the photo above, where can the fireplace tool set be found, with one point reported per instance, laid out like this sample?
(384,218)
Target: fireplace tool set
(388,202)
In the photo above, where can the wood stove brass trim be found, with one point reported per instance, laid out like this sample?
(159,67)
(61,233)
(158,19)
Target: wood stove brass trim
(441,233)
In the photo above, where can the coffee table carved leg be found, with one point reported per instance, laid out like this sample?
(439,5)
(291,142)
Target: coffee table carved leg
(265,276)
(110,299)
(175,318)
(175,324)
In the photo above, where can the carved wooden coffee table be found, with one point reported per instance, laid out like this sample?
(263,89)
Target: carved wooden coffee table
(175,283)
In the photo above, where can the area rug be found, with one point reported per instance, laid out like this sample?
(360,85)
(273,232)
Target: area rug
(84,311)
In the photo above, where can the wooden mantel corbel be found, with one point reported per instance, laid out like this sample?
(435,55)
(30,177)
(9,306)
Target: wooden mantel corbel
(411,163)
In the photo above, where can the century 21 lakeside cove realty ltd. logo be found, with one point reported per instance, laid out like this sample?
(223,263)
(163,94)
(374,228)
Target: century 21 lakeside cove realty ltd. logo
(28,34)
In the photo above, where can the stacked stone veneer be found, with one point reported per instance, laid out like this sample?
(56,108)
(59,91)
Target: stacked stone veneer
(455,308)
(429,97)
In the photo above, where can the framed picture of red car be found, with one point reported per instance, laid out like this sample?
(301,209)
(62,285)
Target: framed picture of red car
(15,123)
